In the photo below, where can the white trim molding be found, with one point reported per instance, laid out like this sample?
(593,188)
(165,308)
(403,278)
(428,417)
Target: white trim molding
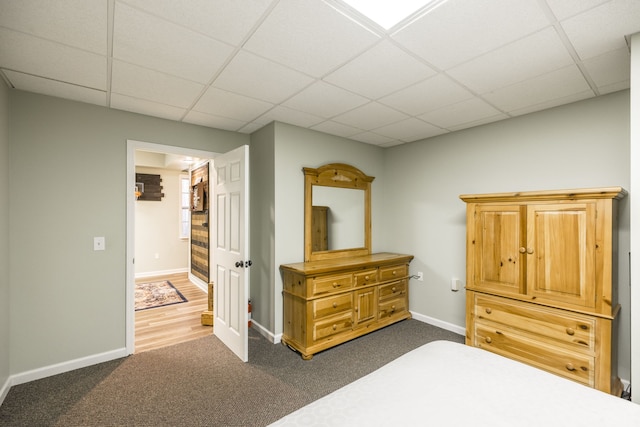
(460,330)
(59,368)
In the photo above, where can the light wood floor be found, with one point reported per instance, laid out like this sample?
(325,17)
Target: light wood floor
(173,324)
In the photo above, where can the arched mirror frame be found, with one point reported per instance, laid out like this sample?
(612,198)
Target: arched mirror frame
(338,175)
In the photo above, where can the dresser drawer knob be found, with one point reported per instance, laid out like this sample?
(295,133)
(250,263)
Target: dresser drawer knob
(335,327)
(522,250)
(570,367)
(570,331)
(488,340)
(487,310)
(366,278)
(335,305)
(393,308)
(335,284)
(393,289)
(394,272)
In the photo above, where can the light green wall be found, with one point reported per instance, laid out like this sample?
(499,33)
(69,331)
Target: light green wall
(68,183)
(68,171)
(634,160)
(261,160)
(4,237)
(585,144)
(165,252)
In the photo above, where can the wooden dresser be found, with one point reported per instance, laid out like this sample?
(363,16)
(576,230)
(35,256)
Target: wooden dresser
(542,282)
(328,302)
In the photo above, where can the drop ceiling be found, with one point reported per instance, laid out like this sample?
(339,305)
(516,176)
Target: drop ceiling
(239,65)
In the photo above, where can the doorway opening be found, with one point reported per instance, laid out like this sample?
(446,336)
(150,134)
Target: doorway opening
(157,327)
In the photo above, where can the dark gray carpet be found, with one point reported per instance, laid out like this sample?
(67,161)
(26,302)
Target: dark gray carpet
(201,383)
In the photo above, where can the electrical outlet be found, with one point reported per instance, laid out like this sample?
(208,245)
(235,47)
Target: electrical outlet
(419,276)
(98,244)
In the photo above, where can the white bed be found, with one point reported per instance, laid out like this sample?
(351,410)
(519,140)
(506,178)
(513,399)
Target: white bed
(449,384)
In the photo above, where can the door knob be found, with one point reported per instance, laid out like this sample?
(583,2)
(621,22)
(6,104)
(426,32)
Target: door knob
(239,264)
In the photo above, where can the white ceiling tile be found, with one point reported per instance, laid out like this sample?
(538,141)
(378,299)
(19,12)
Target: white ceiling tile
(370,116)
(44,86)
(226,20)
(372,138)
(77,23)
(287,115)
(478,122)
(602,28)
(428,95)
(379,71)
(409,130)
(528,57)
(221,103)
(325,100)
(611,68)
(563,9)
(253,76)
(458,31)
(614,87)
(338,129)
(309,36)
(553,103)
(141,106)
(32,55)
(148,41)
(153,86)
(251,127)
(217,122)
(555,85)
(467,111)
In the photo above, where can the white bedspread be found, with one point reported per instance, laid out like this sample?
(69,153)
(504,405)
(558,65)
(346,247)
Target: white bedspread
(448,384)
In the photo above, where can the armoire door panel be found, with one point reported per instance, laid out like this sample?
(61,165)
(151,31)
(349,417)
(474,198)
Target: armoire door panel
(497,263)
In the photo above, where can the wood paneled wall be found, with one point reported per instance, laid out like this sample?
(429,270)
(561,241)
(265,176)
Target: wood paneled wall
(200,225)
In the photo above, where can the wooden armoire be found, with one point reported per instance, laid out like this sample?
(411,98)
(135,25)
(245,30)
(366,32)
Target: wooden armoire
(542,282)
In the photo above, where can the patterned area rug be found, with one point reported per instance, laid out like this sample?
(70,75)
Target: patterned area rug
(157,294)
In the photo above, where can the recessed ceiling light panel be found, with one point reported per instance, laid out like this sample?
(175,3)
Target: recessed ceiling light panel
(388,13)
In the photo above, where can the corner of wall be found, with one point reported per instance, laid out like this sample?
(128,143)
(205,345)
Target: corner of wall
(4,242)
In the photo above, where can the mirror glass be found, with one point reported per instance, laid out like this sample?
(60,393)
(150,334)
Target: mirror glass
(344,217)
(337,212)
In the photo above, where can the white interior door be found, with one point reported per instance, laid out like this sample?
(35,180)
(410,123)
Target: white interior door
(229,257)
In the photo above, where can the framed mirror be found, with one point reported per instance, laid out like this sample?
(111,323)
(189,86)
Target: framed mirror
(337,212)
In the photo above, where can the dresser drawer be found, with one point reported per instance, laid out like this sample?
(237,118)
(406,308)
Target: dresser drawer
(393,272)
(331,306)
(392,307)
(327,284)
(392,290)
(576,366)
(562,327)
(332,326)
(367,277)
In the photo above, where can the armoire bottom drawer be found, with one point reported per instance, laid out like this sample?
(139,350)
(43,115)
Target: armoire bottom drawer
(576,366)
(572,330)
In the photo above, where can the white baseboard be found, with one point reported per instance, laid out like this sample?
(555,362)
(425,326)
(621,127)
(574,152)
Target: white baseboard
(460,330)
(161,273)
(199,282)
(4,390)
(276,339)
(70,365)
